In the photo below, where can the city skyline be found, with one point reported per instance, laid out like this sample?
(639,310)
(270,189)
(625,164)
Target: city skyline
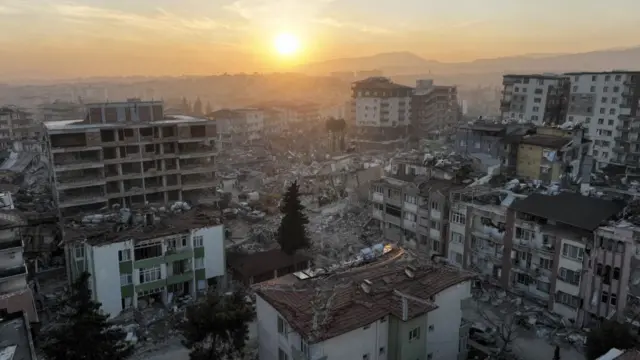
(51,39)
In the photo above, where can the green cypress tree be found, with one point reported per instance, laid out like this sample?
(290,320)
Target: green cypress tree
(81,332)
(292,232)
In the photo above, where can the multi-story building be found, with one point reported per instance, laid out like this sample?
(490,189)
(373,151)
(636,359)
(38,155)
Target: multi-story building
(18,130)
(15,294)
(477,226)
(548,246)
(607,104)
(412,207)
(59,111)
(382,108)
(550,154)
(535,98)
(487,138)
(389,312)
(16,334)
(129,153)
(162,258)
(433,107)
(238,126)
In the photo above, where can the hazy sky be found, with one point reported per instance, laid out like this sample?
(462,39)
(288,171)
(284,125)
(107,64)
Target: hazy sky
(108,37)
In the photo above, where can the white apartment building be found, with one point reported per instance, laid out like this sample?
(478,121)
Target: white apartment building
(607,104)
(134,267)
(534,98)
(238,125)
(386,313)
(381,103)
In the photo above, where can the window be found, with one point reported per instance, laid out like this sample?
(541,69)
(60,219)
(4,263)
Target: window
(612,111)
(567,299)
(605,89)
(575,88)
(147,251)
(537,100)
(124,255)
(126,279)
(381,351)
(614,100)
(198,263)
(365,357)
(524,234)
(458,218)
(435,205)
(282,326)
(607,77)
(536,109)
(616,89)
(198,241)
(411,199)
(410,216)
(610,122)
(414,334)
(594,77)
(456,238)
(435,245)
(570,276)
(431,328)
(599,269)
(613,299)
(79,251)
(618,77)
(605,297)
(592,89)
(435,225)
(616,273)
(604,100)
(150,274)
(545,263)
(543,286)
(602,110)
(572,252)
(282,355)
(304,347)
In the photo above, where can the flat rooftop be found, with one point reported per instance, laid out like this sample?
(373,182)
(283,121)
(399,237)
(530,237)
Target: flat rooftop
(582,212)
(78,124)
(15,339)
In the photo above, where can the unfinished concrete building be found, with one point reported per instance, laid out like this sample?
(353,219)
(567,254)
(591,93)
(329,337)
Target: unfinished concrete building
(129,154)
(18,130)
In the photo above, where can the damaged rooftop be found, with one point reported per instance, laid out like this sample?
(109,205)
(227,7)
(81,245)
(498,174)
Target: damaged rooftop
(121,225)
(323,308)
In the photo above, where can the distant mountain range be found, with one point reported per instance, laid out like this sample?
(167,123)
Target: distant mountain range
(406,63)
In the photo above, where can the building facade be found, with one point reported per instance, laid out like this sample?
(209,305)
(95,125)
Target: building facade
(126,154)
(18,130)
(433,107)
(141,270)
(607,104)
(382,108)
(535,98)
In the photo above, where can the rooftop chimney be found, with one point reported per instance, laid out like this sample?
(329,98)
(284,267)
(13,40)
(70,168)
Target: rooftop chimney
(366,286)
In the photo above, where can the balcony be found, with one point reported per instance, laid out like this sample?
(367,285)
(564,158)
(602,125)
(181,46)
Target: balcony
(377,197)
(377,214)
(180,278)
(11,245)
(7,274)
(177,254)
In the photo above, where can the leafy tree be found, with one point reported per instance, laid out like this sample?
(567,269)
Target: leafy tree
(82,331)
(610,334)
(292,232)
(208,110)
(556,353)
(218,328)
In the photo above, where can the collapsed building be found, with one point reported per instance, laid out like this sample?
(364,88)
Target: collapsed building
(140,258)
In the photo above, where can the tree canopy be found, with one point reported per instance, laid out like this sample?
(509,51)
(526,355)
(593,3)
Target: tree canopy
(218,328)
(292,233)
(610,334)
(81,331)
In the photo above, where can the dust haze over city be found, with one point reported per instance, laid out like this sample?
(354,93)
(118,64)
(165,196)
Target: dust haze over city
(319,180)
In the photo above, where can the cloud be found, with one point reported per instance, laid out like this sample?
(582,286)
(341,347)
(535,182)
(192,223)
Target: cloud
(161,20)
(277,10)
(353,26)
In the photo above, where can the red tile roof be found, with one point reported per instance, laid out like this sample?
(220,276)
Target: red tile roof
(324,308)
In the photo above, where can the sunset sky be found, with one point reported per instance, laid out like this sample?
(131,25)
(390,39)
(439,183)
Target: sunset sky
(56,38)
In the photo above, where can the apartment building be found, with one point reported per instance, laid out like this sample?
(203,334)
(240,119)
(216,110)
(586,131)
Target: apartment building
(535,98)
(477,225)
(607,104)
(433,107)
(549,242)
(15,294)
(386,313)
(382,108)
(59,111)
(166,257)
(129,154)
(551,153)
(414,211)
(18,130)
(238,126)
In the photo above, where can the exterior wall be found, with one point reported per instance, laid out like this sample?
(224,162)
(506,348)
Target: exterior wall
(105,275)
(214,257)
(604,103)
(444,323)
(525,96)
(469,141)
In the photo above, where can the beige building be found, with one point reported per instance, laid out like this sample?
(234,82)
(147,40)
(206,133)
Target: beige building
(129,154)
(18,130)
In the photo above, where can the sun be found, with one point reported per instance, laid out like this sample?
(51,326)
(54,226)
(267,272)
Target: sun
(286,44)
